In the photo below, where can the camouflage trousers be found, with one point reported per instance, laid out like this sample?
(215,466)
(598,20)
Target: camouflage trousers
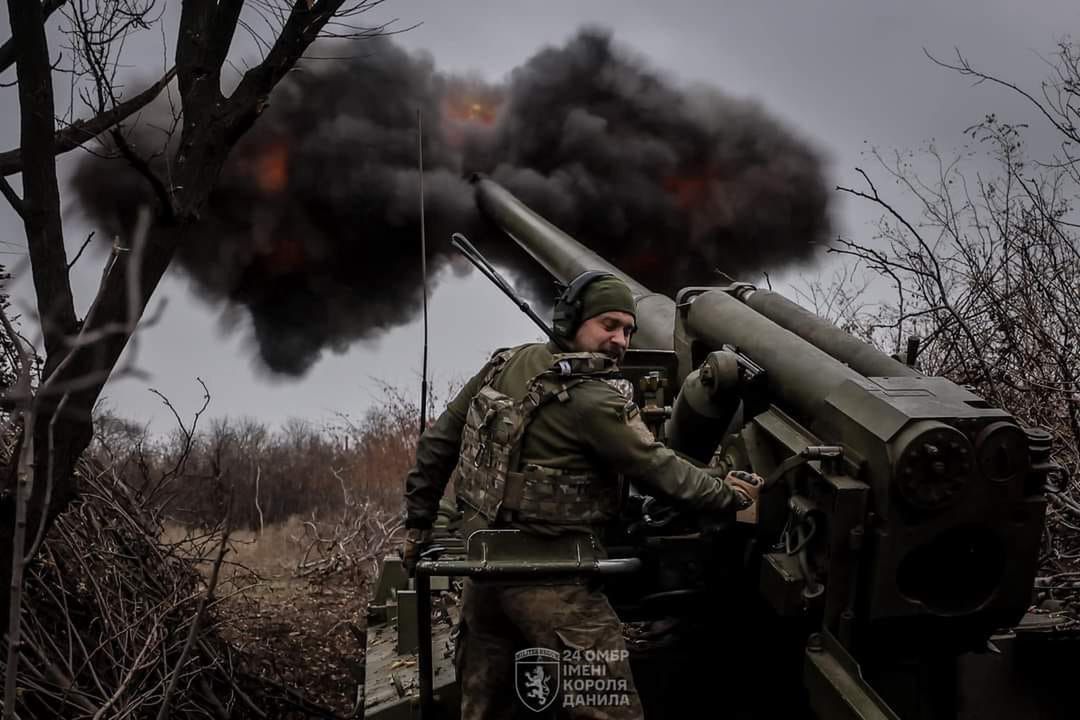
(581,671)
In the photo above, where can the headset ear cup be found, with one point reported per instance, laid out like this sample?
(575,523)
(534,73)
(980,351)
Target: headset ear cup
(572,320)
(568,307)
(563,319)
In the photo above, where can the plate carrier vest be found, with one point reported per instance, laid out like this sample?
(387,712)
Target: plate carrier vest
(488,478)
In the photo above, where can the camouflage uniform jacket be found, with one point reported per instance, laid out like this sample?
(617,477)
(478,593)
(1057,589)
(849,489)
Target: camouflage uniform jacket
(598,430)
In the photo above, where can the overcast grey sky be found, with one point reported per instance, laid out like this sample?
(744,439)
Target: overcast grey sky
(846,74)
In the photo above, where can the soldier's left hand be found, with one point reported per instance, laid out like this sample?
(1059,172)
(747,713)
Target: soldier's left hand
(412,546)
(747,485)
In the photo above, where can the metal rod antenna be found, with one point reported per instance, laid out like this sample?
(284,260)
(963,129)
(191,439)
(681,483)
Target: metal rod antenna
(423,271)
(423,586)
(473,255)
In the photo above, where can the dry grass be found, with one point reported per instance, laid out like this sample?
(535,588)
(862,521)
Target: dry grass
(272,553)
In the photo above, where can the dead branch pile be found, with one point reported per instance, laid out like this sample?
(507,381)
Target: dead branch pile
(108,611)
(352,543)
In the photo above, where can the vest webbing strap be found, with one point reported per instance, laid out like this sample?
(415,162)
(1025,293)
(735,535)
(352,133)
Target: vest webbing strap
(514,490)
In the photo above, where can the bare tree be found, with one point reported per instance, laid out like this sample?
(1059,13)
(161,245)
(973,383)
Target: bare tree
(80,354)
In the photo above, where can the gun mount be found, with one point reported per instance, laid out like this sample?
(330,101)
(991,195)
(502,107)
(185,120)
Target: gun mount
(900,526)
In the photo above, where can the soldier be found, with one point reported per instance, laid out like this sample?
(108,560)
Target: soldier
(537,441)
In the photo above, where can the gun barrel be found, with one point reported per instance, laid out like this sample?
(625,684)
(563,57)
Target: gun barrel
(565,258)
(859,356)
(800,351)
(800,373)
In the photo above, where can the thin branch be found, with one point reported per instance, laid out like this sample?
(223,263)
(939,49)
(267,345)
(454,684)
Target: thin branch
(81,131)
(193,631)
(24,487)
(13,198)
(258,475)
(79,254)
(143,168)
(136,665)
(936,276)
(964,68)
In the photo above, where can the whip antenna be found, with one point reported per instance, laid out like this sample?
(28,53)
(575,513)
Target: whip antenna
(474,256)
(423,271)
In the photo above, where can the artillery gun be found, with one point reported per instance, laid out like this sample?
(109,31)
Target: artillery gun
(898,532)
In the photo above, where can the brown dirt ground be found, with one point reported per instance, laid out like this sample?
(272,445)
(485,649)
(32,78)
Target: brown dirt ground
(303,636)
(299,641)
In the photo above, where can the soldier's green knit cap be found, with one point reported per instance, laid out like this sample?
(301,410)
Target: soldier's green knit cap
(605,295)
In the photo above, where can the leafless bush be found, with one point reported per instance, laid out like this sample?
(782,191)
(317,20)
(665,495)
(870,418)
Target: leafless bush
(338,488)
(300,469)
(382,447)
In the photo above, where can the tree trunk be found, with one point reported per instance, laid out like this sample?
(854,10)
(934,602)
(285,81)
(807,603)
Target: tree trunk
(45,240)
(212,124)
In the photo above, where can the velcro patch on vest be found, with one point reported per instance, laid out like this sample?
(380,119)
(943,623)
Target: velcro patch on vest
(630,411)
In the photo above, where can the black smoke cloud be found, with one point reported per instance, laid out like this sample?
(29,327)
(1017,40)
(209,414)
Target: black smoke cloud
(314,226)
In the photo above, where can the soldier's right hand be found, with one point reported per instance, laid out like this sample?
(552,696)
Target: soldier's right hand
(746,485)
(412,546)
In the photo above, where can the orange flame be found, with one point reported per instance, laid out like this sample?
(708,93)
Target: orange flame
(464,108)
(272,169)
